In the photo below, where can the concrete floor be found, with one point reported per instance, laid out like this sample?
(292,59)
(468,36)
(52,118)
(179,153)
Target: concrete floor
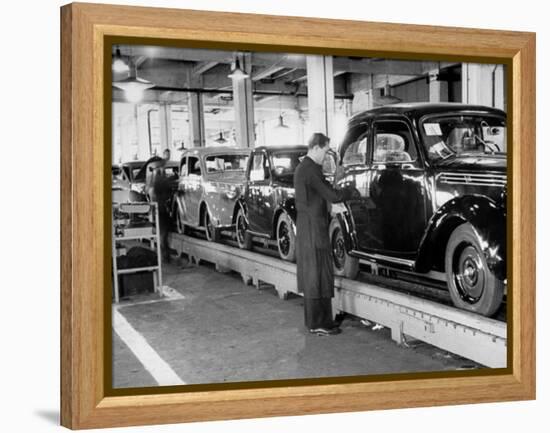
(223,331)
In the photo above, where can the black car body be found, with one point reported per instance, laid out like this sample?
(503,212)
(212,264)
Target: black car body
(430,183)
(266,208)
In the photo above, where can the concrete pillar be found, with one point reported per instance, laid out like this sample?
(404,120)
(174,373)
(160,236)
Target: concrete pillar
(165,120)
(438,90)
(243,103)
(320,92)
(140,116)
(483,84)
(196,120)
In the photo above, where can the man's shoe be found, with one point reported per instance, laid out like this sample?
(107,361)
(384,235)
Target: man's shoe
(325,331)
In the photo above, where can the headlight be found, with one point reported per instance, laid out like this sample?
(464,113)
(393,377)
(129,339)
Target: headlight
(231,193)
(138,187)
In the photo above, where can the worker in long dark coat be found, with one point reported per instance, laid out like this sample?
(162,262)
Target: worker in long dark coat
(313,250)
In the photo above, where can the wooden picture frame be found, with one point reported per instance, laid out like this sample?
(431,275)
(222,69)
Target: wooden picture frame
(86,398)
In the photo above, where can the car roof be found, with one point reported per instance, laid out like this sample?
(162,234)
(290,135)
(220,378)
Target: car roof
(419,109)
(216,150)
(132,164)
(281,147)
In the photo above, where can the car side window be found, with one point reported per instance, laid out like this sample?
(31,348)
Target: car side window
(259,170)
(194,165)
(356,153)
(329,163)
(393,143)
(183,166)
(355,146)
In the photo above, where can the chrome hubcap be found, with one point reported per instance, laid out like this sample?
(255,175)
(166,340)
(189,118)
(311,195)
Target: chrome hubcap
(284,238)
(470,274)
(338,249)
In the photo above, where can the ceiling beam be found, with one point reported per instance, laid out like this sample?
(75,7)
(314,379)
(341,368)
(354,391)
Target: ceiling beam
(346,64)
(202,67)
(266,72)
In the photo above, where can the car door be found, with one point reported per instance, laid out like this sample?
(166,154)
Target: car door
(180,193)
(355,171)
(397,188)
(258,194)
(193,189)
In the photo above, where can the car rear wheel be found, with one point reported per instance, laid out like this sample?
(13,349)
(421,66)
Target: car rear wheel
(212,233)
(286,238)
(244,239)
(471,283)
(344,264)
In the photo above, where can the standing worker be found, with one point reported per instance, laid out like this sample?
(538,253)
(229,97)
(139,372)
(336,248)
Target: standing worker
(160,191)
(314,255)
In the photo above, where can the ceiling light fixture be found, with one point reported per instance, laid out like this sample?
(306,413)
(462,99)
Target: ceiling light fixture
(133,86)
(281,122)
(220,139)
(119,65)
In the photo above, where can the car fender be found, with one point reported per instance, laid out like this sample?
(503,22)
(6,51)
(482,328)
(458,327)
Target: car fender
(488,220)
(240,204)
(288,205)
(346,223)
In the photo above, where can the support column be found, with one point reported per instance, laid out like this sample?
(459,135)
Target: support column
(165,120)
(438,90)
(243,103)
(483,84)
(196,120)
(320,92)
(140,116)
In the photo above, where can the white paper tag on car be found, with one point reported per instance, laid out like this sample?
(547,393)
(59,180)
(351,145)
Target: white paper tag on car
(338,208)
(432,129)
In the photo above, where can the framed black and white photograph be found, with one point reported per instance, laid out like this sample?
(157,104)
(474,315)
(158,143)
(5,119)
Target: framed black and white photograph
(287,220)
(206,145)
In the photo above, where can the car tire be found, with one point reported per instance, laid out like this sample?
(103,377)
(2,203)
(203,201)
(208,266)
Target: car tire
(212,233)
(244,239)
(180,225)
(286,238)
(344,264)
(472,285)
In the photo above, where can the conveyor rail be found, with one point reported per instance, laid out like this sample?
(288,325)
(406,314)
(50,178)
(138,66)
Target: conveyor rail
(469,335)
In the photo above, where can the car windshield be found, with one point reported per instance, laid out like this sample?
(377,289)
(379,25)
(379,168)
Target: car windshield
(225,163)
(284,162)
(457,135)
(117,173)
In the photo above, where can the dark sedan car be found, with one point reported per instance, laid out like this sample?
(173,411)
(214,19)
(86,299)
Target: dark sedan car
(431,196)
(266,208)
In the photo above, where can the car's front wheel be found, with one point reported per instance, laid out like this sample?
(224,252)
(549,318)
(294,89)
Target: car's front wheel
(180,226)
(471,283)
(344,264)
(212,233)
(286,238)
(244,239)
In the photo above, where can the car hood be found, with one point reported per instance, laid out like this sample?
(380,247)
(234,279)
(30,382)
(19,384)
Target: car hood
(475,163)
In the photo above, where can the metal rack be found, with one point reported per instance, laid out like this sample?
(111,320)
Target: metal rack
(152,236)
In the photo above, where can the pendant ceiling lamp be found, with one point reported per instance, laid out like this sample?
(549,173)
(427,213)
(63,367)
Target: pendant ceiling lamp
(119,65)
(221,139)
(133,86)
